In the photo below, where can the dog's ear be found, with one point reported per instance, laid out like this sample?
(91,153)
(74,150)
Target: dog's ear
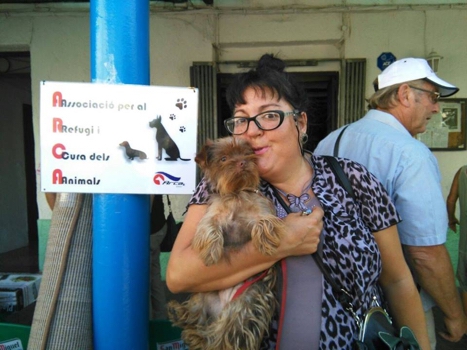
(203,155)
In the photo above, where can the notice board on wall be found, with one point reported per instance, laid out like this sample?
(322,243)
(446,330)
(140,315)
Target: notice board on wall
(446,130)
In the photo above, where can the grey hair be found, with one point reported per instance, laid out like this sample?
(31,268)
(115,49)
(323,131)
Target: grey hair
(386,98)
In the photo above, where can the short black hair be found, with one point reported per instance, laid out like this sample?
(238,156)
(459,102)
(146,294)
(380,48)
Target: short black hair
(268,76)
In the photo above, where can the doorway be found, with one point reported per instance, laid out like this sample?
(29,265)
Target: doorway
(18,206)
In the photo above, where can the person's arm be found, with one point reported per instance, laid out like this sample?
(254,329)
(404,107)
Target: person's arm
(187,273)
(399,288)
(435,274)
(451,202)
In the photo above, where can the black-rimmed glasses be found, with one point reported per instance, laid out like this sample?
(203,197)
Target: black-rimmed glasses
(434,95)
(268,120)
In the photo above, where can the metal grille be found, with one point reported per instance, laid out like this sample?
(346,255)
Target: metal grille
(353,91)
(203,77)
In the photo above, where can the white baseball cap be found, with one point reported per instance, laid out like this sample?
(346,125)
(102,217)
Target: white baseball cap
(408,69)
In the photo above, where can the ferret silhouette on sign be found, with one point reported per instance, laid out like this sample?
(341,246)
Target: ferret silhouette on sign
(133,153)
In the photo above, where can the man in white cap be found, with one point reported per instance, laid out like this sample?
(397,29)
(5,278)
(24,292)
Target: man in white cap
(406,97)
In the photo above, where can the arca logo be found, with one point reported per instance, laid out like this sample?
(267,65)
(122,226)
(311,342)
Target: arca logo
(57,99)
(162,178)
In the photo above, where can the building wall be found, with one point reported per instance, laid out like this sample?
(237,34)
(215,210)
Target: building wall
(59,45)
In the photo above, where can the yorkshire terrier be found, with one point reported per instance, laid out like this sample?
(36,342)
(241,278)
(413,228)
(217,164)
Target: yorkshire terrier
(238,317)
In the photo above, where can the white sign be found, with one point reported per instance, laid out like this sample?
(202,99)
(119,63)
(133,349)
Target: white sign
(103,138)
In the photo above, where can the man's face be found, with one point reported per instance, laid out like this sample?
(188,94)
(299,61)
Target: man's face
(423,109)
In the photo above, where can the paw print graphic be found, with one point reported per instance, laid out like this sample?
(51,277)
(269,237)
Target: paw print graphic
(173,117)
(181,103)
(182,129)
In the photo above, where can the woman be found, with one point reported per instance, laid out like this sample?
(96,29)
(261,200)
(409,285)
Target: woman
(457,192)
(357,240)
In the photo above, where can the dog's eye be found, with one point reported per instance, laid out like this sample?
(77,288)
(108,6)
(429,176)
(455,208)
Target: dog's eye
(224,158)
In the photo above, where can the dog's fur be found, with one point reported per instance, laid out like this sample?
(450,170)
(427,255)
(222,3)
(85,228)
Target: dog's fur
(132,153)
(236,214)
(164,141)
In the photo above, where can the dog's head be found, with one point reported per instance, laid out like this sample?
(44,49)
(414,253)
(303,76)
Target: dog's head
(124,144)
(229,165)
(155,122)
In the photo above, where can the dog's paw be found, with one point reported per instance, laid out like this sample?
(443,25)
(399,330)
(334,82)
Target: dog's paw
(266,235)
(209,244)
(212,255)
(175,312)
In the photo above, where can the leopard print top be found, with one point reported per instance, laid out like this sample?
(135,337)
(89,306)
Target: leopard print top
(349,251)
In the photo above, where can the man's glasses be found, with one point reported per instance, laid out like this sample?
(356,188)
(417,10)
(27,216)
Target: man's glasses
(434,95)
(268,120)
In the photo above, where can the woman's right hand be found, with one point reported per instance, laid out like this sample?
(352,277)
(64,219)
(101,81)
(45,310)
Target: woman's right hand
(303,233)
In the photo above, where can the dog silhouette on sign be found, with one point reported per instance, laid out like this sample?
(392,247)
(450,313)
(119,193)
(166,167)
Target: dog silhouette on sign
(164,141)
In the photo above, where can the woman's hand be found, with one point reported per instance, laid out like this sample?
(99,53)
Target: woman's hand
(303,232)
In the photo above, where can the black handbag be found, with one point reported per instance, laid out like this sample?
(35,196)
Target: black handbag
(378,332)
(172,230)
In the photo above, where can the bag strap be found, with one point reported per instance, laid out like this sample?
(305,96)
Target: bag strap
(340,175)
(336,145)
(342,294)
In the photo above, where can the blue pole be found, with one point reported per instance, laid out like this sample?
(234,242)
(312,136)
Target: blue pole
(120,55)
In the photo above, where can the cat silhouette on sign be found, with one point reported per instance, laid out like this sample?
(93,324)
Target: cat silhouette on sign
(165,142)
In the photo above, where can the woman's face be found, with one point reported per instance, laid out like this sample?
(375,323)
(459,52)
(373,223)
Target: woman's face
(275,148)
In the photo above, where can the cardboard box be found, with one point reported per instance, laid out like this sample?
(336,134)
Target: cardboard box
(18,290)
(11,300)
